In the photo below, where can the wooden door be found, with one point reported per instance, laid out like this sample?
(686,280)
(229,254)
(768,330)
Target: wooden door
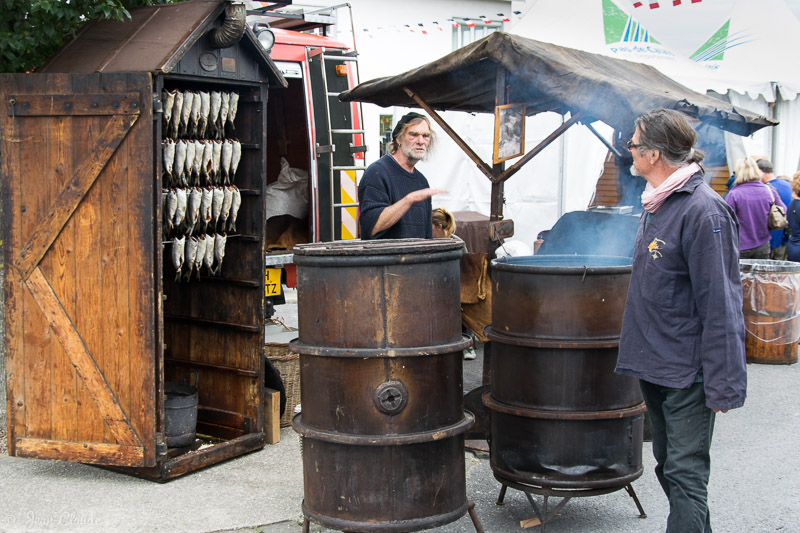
(79,232)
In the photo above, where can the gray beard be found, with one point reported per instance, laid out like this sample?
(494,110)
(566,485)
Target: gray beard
(634,172)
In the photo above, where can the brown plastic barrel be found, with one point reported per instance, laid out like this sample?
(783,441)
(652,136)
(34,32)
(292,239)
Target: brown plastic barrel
(382,417)
(771,307)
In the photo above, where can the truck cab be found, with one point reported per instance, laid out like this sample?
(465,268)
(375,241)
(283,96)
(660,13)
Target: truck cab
(315,143)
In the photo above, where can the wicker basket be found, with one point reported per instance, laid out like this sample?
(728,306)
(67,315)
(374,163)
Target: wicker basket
(288,365)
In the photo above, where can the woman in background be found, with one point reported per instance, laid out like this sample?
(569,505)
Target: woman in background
(751,200)
(792,215)
(444,225)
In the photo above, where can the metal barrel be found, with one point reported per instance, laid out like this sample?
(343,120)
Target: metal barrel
(382,417)
(560,417)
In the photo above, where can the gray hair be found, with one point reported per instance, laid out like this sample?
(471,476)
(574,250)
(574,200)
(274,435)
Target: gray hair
(765,165)
(394,145)
(669,132)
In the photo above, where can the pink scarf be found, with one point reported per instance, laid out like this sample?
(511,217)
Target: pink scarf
(653,197)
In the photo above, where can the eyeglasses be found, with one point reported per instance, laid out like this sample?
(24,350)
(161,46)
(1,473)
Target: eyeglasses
(631,146)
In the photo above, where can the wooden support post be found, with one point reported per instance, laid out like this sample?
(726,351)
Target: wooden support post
(272,415)
(496,205)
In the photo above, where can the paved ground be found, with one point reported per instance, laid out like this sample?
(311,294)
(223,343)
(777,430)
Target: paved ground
(754,486)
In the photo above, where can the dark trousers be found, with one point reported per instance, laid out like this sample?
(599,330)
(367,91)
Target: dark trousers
(682,426)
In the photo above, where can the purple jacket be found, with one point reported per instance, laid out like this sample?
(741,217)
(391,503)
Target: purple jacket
(683,315)
(751,202)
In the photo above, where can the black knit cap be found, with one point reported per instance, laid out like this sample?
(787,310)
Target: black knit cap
(408,117)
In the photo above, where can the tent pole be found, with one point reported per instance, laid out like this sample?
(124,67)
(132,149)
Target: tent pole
(496,209)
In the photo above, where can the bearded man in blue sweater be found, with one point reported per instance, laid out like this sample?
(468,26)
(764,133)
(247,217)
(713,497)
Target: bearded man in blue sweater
(394,197)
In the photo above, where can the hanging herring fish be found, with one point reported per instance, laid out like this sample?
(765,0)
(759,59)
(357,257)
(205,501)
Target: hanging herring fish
(216,103)
(188,167)
(180,211)
(216,205)
(200,255)
(186,112)
(236,156)
(169,211)
(227,200)
(178,175)
(178,254)
(177,109)
(216,156)
(232,108)
(190,254)
(193,208)
(167,102)
(223,114)
(208,161)
(225,160)
(199,150)
(194,115)
(168,157)
(208,261)
(219,251)
(205,109)
(235,204)
(205,207)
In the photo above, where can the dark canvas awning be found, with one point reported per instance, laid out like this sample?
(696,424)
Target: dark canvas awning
(547,77)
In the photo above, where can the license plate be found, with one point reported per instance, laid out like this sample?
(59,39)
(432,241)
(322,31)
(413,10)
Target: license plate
(272,282)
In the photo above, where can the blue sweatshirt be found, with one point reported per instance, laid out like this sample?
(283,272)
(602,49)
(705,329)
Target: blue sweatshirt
(683,317)
(384,183)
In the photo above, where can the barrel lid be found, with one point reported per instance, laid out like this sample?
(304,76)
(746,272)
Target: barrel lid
(568,264)
(768,265)
(358,247)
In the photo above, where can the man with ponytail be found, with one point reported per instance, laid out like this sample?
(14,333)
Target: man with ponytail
(683,328)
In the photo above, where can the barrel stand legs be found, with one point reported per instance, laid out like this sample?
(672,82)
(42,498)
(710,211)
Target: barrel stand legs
(476,522)
(544,515)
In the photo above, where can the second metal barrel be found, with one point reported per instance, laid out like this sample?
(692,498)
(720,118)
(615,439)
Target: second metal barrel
(560,417)
(381,375)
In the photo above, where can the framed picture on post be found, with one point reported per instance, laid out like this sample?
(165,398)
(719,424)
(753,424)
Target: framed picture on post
(509,132)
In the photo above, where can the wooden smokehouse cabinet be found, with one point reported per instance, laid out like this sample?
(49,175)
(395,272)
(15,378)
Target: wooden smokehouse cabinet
(96,323)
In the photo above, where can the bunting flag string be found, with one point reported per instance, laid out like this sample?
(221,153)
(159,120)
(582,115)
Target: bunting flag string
(656,5)
(424,28)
